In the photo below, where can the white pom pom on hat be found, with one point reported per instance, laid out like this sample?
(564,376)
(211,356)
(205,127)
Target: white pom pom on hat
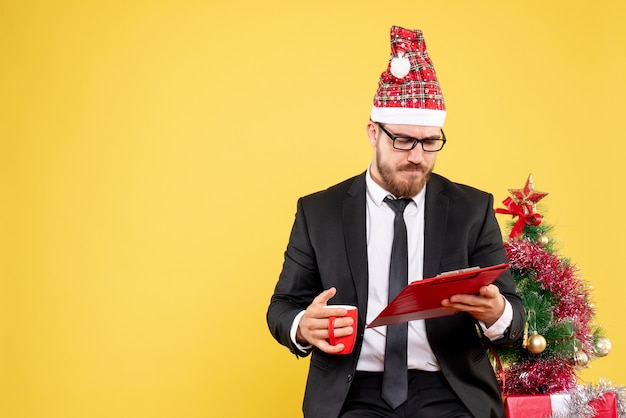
(400,66)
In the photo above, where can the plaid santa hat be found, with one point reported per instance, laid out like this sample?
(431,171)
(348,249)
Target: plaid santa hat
(408,91)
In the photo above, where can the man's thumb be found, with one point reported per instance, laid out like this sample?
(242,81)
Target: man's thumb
(325,296)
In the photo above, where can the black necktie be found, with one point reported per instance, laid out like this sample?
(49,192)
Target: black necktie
(395,377)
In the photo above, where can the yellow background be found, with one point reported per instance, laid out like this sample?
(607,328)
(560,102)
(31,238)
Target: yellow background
(152,153)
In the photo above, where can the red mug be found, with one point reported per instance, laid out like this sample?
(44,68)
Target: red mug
(347,340)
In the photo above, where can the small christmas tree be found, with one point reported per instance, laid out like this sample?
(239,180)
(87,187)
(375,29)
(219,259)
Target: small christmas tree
(559,337)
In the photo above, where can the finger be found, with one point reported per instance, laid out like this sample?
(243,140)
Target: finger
(343,322)
(463,299)
(464,303)
(329,310)
(318,327)
(330,349)
(319,306)
(490,291)
(343,331)
(324,297)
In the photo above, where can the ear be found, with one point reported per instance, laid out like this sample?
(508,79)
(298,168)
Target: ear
(372,133)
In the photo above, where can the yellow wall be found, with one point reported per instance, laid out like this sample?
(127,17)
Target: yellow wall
(152,153)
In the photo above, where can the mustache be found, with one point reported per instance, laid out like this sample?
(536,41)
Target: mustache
(411,166)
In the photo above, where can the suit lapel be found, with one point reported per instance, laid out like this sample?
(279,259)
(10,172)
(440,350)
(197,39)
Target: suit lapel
(435,221)
(356,239)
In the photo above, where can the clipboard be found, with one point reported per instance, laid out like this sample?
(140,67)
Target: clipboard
(421,299)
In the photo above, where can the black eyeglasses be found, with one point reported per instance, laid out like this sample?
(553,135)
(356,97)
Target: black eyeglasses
(406,143)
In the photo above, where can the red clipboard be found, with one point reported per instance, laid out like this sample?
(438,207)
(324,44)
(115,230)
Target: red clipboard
(421,299)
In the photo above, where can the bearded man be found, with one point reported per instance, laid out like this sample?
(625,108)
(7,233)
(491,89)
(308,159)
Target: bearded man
(340,248)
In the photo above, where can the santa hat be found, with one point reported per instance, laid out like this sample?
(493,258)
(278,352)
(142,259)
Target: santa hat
(408,91)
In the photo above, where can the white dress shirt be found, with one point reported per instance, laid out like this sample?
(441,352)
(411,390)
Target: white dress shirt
(379,227)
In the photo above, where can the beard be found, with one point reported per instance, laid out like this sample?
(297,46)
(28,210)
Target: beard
(402,187)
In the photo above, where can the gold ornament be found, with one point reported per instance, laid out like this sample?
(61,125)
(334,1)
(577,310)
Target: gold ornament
(536,343)
(602,346)
(543,240)
(581,359)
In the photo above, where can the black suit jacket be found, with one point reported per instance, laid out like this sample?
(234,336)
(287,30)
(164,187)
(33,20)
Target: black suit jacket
(327,247)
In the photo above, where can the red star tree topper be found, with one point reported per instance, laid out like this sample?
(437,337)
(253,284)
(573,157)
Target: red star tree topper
(523,204)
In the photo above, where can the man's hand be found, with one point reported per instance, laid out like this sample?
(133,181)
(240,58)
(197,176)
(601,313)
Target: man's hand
(487,306)
(313,326)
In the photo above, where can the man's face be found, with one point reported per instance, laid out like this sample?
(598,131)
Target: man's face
(402,173)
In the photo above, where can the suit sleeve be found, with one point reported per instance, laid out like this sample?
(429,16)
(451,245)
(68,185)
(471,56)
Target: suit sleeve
(298,284)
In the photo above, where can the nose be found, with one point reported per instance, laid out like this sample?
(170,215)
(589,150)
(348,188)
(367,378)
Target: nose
(416,155)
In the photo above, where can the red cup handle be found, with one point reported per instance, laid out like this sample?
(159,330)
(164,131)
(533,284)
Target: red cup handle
(331,330)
